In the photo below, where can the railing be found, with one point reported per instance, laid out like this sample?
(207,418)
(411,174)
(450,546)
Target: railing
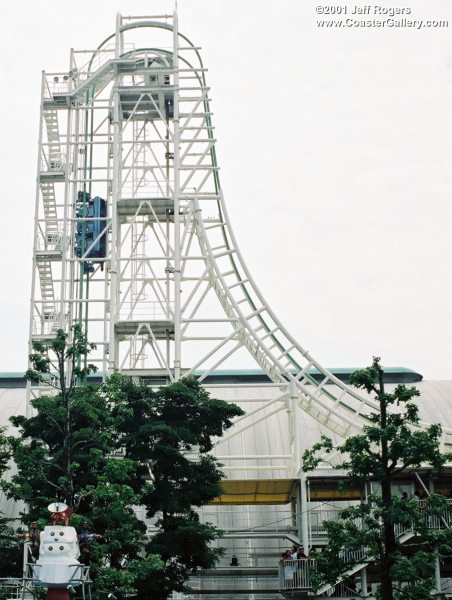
(318,516)
(149,188)
(442,521)
(400,529)
(446,585)
(347,555)
(79,576)
(56,164)
(48,325)
(95,59)
(228,586)
(63,83)
(249,520)
(49,242)
(147,310)
(343,591)
(16,588)
(255,557)
(296,575)
(250,552)
(57,83)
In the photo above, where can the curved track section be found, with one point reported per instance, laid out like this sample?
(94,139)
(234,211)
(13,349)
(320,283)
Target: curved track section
(173,294)
(332,403)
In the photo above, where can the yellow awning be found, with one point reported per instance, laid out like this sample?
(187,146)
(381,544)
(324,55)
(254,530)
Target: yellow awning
(256,491)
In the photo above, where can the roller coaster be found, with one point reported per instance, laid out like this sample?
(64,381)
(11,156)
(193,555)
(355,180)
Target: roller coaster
(133,241)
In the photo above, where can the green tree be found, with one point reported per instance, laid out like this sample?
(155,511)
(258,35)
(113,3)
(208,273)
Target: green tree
(390,445)
(66,452)
(106,450)
(157,430)
(10,550)
(58,365)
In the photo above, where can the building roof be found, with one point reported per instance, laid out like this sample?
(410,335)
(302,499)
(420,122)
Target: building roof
(269,437)
(15,379)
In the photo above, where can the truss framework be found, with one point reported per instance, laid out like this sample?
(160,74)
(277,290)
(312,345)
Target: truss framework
(131,122)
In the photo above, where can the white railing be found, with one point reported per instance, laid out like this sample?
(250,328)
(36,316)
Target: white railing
(14,586)
(347,555)
(95,59)
(80,573)
(319,516)
(48,325)
(63,83)
(51,242)
(155,188)
(147,310)
(343,590)
(400,529)
(433,521)
(296,575)
(57,83)
(55,164)
(252,520)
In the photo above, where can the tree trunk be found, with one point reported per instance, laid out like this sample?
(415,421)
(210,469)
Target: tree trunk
(66,432)
(389,541)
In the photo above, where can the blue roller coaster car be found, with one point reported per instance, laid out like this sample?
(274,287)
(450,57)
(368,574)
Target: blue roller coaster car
(91,229)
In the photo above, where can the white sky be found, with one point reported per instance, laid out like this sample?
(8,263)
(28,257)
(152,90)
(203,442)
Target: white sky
(335,149)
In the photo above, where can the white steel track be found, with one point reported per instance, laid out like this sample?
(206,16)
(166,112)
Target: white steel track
(172,296)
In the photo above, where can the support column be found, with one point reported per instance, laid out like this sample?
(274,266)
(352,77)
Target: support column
(364,582)
(116,190)
(25,559)
(437,576)
(303,519)
(176,200)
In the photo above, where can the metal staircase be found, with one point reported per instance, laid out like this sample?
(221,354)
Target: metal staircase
(47,291)
(50,211)
(302,569)
(48,248)
(53,140)
(140,135)
(172,295)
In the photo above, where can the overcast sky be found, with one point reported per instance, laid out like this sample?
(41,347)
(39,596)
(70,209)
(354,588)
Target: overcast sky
(335,148)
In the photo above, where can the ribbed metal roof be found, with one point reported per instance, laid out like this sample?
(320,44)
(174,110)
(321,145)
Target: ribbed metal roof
(268,437)
(392,375)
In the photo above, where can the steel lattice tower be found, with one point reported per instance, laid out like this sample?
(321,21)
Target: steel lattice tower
(132,235)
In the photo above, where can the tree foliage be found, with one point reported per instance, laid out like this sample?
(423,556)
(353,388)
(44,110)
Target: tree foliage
(10,556)
(109,449)
(58,365)
(392,444)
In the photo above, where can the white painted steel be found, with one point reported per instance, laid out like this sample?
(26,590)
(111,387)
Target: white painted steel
(176,204)
(173,295)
